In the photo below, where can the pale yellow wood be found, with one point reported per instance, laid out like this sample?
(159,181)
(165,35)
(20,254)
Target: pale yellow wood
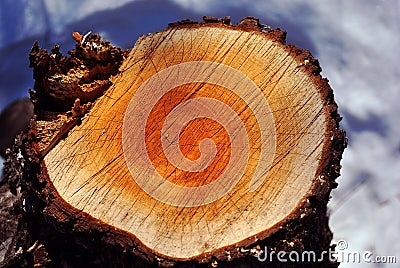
(89,169)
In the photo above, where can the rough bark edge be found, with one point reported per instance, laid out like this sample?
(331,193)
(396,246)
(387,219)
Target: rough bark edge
(45,219)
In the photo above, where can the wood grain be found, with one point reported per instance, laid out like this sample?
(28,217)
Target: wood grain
(89,168)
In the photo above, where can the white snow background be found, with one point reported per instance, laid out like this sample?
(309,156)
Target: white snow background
(357,43)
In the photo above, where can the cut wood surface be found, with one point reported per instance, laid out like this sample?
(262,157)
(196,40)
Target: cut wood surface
(209,140)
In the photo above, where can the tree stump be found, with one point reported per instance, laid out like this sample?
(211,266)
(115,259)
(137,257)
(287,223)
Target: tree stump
(206,143)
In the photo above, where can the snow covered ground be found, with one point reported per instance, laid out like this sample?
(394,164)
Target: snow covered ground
(357,43)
